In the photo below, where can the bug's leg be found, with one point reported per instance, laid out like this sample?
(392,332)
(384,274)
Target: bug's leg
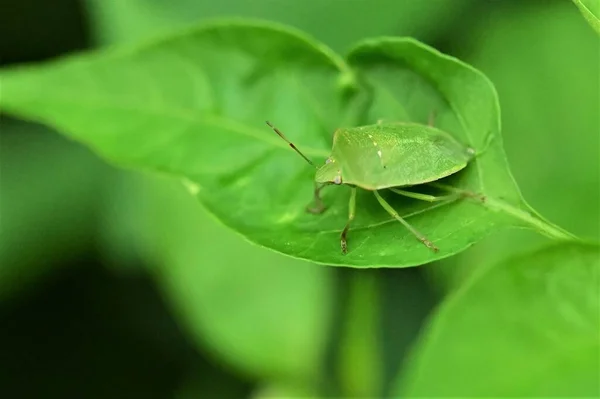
(426,197)
(319,205)
(431,119)
(395,215)
(351,213)
(459,192)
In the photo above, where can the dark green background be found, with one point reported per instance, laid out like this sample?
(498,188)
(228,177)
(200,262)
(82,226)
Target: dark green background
(103,295)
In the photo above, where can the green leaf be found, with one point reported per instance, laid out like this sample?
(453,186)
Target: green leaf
(591,12)
(410,81)
(117,21)
(527,327)
(193,105)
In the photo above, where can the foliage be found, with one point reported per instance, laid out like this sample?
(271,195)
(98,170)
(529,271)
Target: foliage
(191,105)
(168,107)
(536,315)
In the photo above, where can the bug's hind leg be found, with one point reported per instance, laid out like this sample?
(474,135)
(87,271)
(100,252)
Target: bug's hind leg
(426,197)
(460,193)
(351,213)
(395,215)
(319,206)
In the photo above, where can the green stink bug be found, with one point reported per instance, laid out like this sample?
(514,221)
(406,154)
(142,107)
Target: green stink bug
(387,156)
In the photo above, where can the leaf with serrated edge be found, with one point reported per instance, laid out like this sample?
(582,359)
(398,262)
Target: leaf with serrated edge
(526,327)
(194,105)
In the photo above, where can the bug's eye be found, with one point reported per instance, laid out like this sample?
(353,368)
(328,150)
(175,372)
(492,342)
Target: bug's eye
(337,179)
(328,160)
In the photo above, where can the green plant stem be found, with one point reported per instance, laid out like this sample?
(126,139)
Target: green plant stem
(529,217)
(360,374)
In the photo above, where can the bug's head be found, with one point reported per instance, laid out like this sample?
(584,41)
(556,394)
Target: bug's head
(329,173)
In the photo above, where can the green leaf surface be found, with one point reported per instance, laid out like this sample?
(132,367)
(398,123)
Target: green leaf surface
(194,104)
(590,9)
(526,327)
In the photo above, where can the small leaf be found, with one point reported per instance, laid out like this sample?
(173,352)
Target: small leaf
(591,12)
(523,328)
(194,105)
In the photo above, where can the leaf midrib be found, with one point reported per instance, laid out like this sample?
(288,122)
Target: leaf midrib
(188,115)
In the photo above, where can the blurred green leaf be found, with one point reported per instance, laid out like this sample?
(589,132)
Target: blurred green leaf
(132,20)
(264,314)
(198,114)
(526,327)
(550,115)
(275,391)
(48,203)
(590,9)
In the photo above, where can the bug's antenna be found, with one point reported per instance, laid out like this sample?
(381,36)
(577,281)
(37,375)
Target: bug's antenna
(290,143)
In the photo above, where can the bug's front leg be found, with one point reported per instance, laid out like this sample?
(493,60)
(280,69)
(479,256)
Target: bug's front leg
(431,119)
(319,206)
(351,213)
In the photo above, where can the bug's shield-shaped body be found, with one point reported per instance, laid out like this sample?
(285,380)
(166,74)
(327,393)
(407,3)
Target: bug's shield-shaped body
(380,156)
